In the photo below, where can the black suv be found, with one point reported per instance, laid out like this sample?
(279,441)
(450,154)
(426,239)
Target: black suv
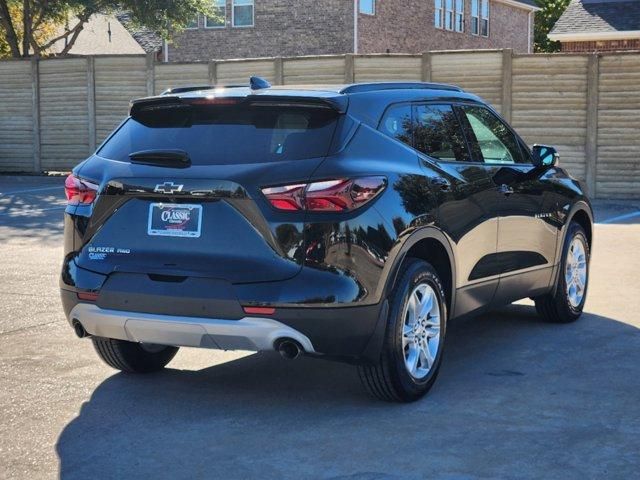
(344,222)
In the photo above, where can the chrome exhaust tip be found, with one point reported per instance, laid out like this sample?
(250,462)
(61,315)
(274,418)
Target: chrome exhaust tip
(288,348)
(79,329)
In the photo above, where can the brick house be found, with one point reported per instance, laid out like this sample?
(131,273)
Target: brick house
(598,26)
(267,28)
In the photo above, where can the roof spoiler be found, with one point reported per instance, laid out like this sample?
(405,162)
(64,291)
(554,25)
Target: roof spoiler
(142,106)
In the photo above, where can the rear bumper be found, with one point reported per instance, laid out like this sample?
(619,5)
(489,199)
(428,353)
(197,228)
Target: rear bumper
(336,330)
(249,333)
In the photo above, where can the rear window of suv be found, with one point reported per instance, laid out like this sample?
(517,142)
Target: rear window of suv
(223,134)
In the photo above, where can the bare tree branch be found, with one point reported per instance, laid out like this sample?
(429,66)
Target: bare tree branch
(75,31)
(75,35)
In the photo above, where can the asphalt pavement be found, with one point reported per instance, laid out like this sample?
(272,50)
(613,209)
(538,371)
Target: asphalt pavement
(516,397)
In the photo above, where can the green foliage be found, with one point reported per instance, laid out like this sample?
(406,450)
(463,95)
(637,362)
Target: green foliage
(545,20)
(33,26)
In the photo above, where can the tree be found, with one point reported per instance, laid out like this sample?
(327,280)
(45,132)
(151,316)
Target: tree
(545,20)
(32,27)
(44,31)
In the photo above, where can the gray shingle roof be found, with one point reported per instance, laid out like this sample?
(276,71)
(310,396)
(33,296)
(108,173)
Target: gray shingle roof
(149,40)
(586,16)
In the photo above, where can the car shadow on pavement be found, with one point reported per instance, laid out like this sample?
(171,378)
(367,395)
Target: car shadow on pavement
(508,379)
(31,218)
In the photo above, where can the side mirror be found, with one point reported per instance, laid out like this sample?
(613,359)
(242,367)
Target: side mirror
(544,156)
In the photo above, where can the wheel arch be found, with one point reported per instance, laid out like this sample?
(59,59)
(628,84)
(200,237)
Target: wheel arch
(431,245)
(583,218)
(581,213)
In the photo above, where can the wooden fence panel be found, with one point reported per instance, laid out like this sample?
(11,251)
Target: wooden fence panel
(169,75)
(324,70)
(239,72)
(618,166)
(549,105)
(64,118)
(380,68)
(118,80)
(477,72)
(16,116)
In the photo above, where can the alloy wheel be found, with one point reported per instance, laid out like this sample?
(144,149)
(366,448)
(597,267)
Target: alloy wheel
(421,331)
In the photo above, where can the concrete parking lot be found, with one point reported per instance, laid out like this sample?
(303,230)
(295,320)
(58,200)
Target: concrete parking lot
(516,397)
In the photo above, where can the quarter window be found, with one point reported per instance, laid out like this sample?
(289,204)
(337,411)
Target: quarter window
(219,21)
(242,13)
(437,133)
(490,139)
(368,7)
(396,123)
(439,11)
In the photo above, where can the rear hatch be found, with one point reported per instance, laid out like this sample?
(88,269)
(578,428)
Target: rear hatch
(180,189)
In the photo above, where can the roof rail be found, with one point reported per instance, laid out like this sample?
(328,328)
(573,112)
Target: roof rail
(195,88)
(375,86)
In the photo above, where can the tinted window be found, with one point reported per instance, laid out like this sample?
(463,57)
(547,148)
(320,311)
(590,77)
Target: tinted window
(397,123)
(490,138)
(228,134)
(437,133)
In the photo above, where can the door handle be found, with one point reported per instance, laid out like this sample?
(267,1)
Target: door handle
(505,189)
(441,183)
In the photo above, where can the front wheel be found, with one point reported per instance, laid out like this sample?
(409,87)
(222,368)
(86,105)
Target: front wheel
(133,357)
(414,339)
(565,302)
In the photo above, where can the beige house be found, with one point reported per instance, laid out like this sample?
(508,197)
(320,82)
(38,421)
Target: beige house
(111,35)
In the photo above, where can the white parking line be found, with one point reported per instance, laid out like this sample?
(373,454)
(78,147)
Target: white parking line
(626,216)
(15,192)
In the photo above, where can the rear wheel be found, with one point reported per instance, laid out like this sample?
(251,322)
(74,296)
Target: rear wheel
(414,339)
(565,302)
(133,357)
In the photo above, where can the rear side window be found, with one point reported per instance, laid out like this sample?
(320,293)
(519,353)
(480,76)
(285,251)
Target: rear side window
(437,133)
(221,135)
(396,123)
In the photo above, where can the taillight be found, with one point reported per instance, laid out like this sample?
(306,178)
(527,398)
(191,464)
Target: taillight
(339,195)
(79,192)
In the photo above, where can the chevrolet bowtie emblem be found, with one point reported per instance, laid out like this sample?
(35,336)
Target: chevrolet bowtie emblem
(168,187)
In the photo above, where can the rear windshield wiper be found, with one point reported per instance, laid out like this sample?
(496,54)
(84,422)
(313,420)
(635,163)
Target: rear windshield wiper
(162,158)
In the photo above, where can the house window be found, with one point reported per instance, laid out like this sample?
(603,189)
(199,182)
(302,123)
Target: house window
(220,20)
(242,13)
(484,18)
(448,15)
(459,23)
(480,17)
(475,17)
(368,7)
(438,13)
(193,23)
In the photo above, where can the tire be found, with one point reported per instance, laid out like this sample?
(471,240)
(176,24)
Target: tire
(133,357)
(391,379)
(562,305)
